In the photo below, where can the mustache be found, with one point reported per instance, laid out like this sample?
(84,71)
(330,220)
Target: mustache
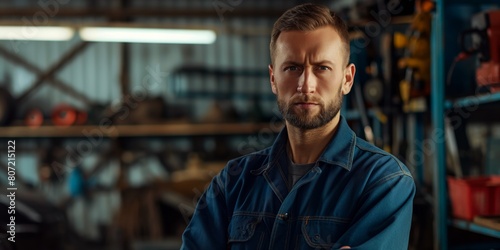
(305,98)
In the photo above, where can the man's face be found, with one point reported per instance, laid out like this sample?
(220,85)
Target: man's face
(309,76)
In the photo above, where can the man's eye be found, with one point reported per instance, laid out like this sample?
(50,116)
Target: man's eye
(291,68)
(324,68)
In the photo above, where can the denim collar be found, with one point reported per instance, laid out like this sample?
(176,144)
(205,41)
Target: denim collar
(339,151)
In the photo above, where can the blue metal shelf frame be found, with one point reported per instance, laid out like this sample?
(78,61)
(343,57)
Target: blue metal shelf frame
(473,227)
(472,101)
(438,108)
(492,2)
(437,103)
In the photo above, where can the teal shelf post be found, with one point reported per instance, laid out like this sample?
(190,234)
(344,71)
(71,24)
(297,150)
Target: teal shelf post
(437,103)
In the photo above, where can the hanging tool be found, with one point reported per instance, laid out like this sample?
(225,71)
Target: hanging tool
(364,116)
(416,59)
(485,34)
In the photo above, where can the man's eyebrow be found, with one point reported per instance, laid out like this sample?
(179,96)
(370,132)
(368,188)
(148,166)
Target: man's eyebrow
(289,62)
(323,62)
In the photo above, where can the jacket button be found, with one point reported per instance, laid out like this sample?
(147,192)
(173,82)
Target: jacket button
(283,216)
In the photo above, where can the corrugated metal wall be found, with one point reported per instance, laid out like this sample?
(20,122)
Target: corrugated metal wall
(94,73)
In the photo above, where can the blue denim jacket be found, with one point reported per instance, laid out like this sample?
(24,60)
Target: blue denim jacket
(356,195)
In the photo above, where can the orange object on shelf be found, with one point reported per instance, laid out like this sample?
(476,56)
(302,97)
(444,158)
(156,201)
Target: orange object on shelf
(34,118)
(65,115)
(474,196)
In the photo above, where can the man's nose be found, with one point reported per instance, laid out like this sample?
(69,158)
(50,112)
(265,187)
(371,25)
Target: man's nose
(307,82)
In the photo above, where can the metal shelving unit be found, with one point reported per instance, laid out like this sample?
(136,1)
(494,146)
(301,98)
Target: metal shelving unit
(473,227)
(472,100)
(437,104)
(438,107)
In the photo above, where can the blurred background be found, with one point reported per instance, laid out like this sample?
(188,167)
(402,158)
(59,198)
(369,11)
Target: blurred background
(122,111)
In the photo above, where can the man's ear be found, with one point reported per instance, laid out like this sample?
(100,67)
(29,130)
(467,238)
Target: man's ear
(349,73)
(271,79)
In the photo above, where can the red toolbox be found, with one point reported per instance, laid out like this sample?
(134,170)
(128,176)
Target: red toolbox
(474,196)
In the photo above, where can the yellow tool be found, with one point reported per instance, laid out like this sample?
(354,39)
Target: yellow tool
(416,59)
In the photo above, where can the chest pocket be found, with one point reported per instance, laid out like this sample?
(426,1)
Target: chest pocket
(246,232)
(322,233)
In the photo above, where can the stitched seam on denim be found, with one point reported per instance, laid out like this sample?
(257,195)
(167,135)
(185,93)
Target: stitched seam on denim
(249,155)
(280,171)
(340,164)
(256,214)
(382,181)
(279,152)
(245,239)
(262,168)
(400,164)
(351,150)
(381,152)
(308,240)
(350,158)
(325,218)
(385,179)
(266,215)
(261,240)
(274,188)
(219,182)
(377,151)
(222,190)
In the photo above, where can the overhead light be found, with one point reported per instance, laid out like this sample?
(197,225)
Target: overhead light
(147,35)
(36,33)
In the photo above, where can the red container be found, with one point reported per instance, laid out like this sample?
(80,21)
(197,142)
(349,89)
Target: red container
(474,196)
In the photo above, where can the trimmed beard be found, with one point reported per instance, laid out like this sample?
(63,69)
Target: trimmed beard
(302,120)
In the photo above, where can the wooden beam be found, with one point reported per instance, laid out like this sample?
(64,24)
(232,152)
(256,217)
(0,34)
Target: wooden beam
(51,78)
(52,70)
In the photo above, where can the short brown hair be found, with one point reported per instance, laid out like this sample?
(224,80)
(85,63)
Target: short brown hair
(308,17)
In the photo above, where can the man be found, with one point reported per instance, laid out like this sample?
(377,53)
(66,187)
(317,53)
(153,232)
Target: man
(318,186)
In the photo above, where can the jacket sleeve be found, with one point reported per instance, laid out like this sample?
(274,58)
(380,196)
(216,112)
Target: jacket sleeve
(208,226)
(384,217)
